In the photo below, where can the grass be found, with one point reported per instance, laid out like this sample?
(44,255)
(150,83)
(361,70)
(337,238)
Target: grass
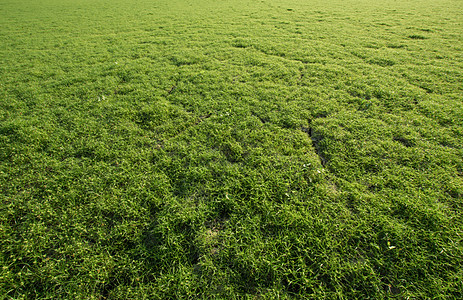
(231,149)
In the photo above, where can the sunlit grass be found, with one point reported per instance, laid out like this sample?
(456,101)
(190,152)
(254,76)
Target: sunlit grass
(227,149)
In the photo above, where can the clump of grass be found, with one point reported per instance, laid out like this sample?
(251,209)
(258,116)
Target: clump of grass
(417,37)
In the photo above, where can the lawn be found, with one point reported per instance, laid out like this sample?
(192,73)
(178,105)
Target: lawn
(169,149)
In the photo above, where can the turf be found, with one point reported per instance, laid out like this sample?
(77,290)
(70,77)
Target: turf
(231,149)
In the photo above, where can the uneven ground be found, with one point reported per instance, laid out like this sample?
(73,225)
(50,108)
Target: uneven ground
(219,149)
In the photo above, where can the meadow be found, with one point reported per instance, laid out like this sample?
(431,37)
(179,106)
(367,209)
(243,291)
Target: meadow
(212,149)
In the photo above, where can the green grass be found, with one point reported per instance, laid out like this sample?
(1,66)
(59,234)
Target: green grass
(231,149)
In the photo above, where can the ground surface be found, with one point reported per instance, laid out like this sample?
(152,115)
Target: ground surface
(276,148)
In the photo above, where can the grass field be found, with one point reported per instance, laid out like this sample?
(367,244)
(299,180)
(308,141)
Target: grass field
(231,149)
